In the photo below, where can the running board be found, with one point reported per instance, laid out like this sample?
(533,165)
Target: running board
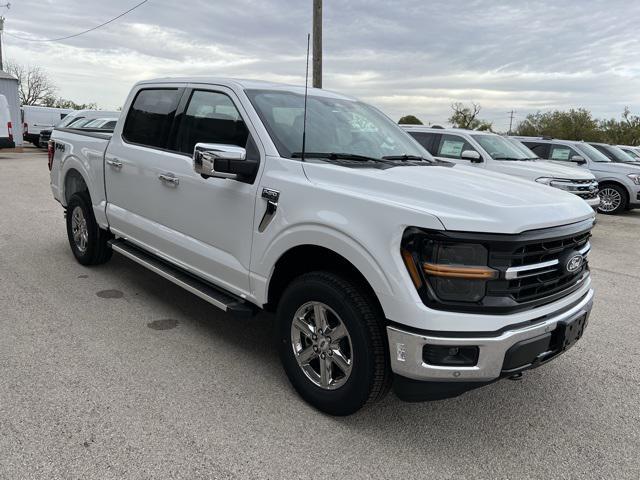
(225,301)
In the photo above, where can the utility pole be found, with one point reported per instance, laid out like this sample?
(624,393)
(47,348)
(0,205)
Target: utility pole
(317,43)
(511,121)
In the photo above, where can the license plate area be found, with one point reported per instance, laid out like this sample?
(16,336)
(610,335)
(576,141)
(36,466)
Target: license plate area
(571,331)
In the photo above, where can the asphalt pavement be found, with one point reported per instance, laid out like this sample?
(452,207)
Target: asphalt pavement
(112,372)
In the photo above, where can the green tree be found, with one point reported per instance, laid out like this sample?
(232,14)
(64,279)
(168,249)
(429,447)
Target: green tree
(410,120)
(464,116)
(574,124)
(59,102)
(622,132)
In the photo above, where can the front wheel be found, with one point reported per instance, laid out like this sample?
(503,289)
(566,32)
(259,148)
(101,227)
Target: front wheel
(613,199)
(332,343)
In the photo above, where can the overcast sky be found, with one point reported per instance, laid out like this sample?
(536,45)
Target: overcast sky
(404,56)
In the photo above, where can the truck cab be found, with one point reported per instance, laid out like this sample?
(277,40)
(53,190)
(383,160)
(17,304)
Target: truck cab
(384,267)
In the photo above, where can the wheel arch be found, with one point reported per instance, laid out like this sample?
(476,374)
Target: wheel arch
(305,258)
(73,182)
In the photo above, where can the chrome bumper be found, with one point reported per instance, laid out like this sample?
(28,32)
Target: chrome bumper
(593,202)
(406,349)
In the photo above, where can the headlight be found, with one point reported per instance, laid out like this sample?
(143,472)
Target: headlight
(544,180)
(635,178)
(446,270)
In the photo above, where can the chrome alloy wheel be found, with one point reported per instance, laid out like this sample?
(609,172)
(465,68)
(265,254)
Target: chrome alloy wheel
(79,229)
(610,199)
(321,345)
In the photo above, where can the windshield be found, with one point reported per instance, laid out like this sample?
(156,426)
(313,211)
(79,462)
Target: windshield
(631,153)
(592,153)
(523,148)
(499,148)
(66,121)
(619,155)
(333,126)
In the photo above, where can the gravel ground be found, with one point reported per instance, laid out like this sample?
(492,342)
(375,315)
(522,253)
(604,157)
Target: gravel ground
(113,372)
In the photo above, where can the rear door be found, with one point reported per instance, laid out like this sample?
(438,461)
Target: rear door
(137,152)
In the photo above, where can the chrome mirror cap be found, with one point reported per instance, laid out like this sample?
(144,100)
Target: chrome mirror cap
(205,156)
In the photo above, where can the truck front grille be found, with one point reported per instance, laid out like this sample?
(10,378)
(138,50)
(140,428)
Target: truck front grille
(541,269)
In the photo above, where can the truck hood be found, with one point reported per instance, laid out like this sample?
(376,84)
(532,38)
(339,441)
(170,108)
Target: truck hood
(462,198)
(544,168)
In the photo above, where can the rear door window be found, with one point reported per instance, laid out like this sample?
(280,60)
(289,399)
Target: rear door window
(540,149)
(426,139)
(151,116)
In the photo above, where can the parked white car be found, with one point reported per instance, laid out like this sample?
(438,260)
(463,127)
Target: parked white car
(35,119)
(495,153)
(6,127)
(383,265)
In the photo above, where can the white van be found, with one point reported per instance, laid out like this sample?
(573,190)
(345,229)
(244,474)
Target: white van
(35,119)
(6,129)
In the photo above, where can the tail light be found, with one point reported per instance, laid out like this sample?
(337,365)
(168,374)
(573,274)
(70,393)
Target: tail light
(10,128)
(51,145)
(25,129)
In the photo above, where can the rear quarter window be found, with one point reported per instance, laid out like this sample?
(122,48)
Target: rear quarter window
(151,116)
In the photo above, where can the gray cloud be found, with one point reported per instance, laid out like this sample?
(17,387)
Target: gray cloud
(404,56)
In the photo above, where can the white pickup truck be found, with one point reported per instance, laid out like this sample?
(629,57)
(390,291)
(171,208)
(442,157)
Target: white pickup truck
(385,266)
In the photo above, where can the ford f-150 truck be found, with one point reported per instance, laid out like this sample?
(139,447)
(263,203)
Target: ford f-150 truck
(385,267)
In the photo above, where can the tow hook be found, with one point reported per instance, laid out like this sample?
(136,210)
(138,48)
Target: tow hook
(516,377)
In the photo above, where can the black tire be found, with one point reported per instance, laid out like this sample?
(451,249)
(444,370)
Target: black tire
(623,203)
(370,376)
(96,250)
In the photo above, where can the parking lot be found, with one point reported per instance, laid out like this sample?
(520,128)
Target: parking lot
(113,372)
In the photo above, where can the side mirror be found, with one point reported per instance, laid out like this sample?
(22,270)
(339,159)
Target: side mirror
(578,159)
(222,161)
(472,156)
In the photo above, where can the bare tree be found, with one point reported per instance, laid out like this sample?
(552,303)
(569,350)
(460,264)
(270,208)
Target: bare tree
(467,117)
(34,85)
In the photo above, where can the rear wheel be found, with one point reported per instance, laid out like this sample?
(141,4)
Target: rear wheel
(332,343)
(87,240)
(613,199)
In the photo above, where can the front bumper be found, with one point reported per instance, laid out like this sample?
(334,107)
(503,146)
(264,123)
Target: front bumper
(593,202)
(406,349)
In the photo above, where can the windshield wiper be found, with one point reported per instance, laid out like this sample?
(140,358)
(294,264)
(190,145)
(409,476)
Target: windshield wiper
(337,156)
(509,158)
(406,157)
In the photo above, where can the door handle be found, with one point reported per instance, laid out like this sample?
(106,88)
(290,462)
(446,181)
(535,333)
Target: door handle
(115,163)
(169,178)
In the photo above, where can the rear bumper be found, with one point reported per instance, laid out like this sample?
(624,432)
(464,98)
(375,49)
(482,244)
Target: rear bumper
(504,354)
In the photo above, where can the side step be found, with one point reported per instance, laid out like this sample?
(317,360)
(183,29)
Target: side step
(225,301)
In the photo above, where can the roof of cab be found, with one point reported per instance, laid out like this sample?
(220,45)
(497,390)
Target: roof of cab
(247,84)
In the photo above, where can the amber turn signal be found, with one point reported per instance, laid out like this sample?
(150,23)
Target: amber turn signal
(470,273)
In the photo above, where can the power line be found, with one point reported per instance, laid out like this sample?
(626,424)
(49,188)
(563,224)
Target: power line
(81,33)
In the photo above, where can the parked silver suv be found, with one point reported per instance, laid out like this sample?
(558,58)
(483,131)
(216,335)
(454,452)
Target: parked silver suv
(619,182)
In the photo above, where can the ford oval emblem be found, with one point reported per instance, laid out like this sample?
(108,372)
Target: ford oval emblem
(574,263)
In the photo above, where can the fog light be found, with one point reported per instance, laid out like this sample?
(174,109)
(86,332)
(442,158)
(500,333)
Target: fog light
(450,355)
(401,352)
